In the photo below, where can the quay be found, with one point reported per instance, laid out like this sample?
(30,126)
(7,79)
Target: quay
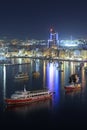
(52,58)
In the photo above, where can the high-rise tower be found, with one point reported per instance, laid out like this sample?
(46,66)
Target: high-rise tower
(53,39)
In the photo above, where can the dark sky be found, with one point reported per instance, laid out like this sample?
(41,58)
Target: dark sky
(33,18)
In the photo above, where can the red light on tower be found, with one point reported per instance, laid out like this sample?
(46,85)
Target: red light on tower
(51,30)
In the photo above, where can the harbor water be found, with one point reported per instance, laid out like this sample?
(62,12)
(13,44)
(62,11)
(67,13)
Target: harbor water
(64,110)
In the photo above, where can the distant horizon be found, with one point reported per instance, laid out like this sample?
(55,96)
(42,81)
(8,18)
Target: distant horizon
(26,37)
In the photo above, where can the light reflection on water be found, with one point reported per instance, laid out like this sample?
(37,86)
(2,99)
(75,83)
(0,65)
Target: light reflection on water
(50,77)
(53,80)
(29,108)
(4,82)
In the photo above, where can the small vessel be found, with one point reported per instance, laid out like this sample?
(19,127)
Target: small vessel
(72,87)
(35,74)
(74,83)
(25,97)
(21,75)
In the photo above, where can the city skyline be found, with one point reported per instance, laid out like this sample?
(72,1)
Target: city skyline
(33,19)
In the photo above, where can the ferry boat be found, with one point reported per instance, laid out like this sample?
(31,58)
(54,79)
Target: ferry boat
(21,75)
(25,97)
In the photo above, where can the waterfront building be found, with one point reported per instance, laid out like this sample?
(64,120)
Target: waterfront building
(84,54)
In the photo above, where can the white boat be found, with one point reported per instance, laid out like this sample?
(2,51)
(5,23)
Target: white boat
(25,97)
(21,75)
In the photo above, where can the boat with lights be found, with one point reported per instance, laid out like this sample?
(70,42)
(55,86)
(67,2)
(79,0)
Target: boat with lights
(25,97)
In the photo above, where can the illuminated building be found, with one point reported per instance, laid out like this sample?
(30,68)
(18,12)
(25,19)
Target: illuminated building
(53,39)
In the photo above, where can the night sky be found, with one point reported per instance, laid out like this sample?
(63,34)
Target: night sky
(33,18)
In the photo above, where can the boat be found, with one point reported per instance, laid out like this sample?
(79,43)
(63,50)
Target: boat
(72,87)
(74,83)
(25,97)
(21,75)
(36,74)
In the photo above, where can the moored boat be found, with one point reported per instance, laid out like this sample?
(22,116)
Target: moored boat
(72,87)
(25,97)
(36,74)
(21,75)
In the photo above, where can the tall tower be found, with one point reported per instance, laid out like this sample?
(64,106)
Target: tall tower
(53,39)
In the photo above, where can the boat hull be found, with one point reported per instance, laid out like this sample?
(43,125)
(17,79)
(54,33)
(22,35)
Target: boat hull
(72,87)
(27,100)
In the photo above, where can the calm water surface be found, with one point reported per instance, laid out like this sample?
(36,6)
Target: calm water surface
(65,110)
